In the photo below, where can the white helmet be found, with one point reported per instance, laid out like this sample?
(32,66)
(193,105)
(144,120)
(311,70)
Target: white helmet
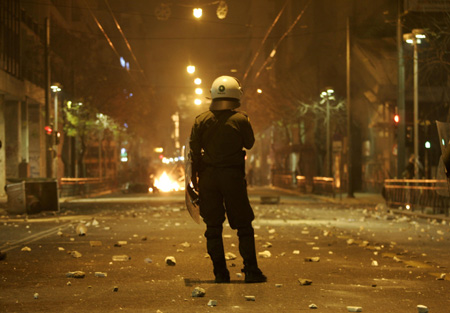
(226,93)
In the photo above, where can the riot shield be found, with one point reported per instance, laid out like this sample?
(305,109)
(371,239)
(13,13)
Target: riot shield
(191,196)
(443,189)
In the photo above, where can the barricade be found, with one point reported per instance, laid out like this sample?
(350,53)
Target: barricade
(418,194)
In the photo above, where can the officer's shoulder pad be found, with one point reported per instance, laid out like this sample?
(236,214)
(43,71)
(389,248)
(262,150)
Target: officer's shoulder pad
(243,113)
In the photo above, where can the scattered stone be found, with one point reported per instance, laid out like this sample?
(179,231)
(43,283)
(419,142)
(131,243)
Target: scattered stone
(148,260)
(304,282)
(239,275)
(170,260)
(313,259)
(26,249)
(227,236)
(230,256)
(198,292)
(212,303)
(422,309)
(76,274)
(374,263)
(250,298)
(265,254)
(115,289)
(36,295)
(61,249)
(121,258)
(95,243)
(267,245)
(272,231)
(350,241)
(100,274)
(312,306)
(69,283)
(278,285)
(144,238)
(296,252)
(354,308)
(120,243)
(442,277)
(76,254)
(81,229)
(185,244)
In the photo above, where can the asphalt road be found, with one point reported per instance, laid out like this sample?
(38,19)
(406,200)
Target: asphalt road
(355,253)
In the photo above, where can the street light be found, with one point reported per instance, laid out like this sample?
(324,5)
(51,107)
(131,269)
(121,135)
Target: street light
(414,38)
(191,69)
(326,96)
(56,87)
(197,12)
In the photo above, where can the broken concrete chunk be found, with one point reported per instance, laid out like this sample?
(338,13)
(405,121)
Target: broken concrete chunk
(442,277)
(312,306)
(296,252)
(422,309)
(76,254)
(374,263)
(250,298)
(230,256)
(100,274)
(115,289)
(36,295)
(26,249)
(212,303)
(170,260)
(313,259)
(120,243)
(122,257)
(185,244)
(304,282)
(265,254)
(198,292)
(81,229)
(354,308)
(76,274)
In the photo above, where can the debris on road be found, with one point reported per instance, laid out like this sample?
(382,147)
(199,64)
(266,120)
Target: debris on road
(75,254)
(304,282)
(250,298)
(265,254)
(442,277)
(81,229)
(296,252)
(198,292)
(185,244)
(148,260)
(374,263)
(212,303)
(122,257)
(76,274)
(313,259)
(115,289)
(230,256)
(26,249)
(312,306)
(422,309)
(170,260)
(36,295)
(354,308)
(120,243)
(100,274)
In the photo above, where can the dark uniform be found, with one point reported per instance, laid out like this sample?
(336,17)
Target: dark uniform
(217,142)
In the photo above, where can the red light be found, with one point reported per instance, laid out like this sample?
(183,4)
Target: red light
(396,118)
(161,156)
(48,130)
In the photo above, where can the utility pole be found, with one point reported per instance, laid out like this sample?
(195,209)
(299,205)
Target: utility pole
(48,139)
(401,135)
(349,122)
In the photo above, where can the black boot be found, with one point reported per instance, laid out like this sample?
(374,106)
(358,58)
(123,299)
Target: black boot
(248,252)
(214,246)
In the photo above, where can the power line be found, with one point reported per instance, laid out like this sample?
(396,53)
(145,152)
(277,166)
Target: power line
(263,41)
(125,39)
(282,37)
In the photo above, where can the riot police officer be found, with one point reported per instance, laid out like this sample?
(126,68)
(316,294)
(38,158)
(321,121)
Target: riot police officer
(217,143)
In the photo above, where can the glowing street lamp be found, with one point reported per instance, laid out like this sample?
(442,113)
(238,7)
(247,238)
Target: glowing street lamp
(326,96)
(414,38)
(197,81)
(198,91)
(191,69)
(197,101)
(198,12)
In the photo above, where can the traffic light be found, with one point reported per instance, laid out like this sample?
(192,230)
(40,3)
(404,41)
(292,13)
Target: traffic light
(48,130)
(396,119)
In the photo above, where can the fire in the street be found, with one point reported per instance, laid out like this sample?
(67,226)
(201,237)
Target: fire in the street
(165,184)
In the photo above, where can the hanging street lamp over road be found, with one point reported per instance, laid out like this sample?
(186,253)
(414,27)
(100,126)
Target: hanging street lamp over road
(327,95)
